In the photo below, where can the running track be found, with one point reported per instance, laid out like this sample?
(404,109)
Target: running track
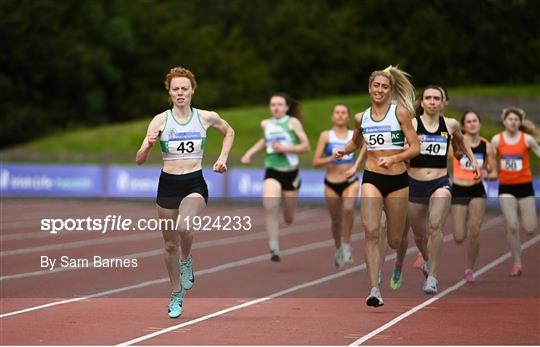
(240,297)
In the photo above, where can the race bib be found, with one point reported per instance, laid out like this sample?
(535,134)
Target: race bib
(185,147)
(189,143)
(332,148)
(433,145)
(466,165)
(274,139)
(346,157)
(512,163)
(382,136)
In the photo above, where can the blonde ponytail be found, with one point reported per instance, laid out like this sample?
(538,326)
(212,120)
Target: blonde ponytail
(402,89)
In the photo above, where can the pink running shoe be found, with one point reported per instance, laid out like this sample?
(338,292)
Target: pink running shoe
(469,276)
(419,262)
(517,270)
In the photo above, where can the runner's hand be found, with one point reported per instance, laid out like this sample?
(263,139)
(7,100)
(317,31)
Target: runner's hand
(246,159)
(386,162)
(220,166)
(339,153)
(477,170)
(351,172)
(152,137)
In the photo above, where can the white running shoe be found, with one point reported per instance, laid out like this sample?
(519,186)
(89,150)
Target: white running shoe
(338,257)
(346,253)
(430,286)
(425,269)
(374,299)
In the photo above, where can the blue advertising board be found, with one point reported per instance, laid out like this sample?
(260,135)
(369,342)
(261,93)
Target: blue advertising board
(51,180)
(42,180)
(142,182)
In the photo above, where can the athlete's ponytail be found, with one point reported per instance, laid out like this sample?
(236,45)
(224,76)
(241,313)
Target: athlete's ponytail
(402,88)
(295,109)
(526,126)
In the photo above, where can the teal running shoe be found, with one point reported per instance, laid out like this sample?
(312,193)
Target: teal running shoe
(175,306)
(397,279)
(186,272)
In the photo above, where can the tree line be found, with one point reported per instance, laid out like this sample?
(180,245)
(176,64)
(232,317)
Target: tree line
(73,63)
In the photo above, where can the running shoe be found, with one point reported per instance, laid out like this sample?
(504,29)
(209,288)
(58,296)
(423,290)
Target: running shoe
(338,257)
(517,270)
(274,256)
(430,286)
(397,279)
(419,262)
(175,306)
(374,299)
(381,277)
(347,253)
(469,276)
(186,272)
(425,269)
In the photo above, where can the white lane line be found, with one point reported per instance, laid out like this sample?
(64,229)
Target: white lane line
(238,263)
(127,213)
(280,293)
(200,245)
(442,294)
(83,243)
(106,240)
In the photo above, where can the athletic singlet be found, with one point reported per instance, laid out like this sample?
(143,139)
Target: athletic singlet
(385,134)
(334,143)
(463,168)
(514,165)
(182,141)
(278,131)
(433,146)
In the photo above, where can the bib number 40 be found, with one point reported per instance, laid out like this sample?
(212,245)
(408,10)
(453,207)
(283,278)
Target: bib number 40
(433,148)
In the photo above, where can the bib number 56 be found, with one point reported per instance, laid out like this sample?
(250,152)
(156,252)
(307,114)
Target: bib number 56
(376,139)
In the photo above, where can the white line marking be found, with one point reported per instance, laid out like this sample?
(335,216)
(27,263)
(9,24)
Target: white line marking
(449,290)
(280,293)
(159,251)
(238,263)
(144,235)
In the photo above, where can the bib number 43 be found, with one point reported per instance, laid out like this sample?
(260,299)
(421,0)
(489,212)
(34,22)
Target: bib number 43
(186,147)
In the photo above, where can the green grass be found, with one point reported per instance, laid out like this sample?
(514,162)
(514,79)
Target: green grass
(525,91)
(119,142)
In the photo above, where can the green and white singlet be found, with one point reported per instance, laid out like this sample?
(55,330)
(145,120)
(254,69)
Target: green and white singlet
(182,141)
(385,134)
(278,131)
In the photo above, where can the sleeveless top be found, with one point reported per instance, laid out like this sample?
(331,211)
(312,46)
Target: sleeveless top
(278,131)
(463,168)
(433,146)
(182,141)
(385,134)
(334,143)
(514,165)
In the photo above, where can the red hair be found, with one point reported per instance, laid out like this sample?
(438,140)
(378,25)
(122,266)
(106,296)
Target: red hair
(180,72)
